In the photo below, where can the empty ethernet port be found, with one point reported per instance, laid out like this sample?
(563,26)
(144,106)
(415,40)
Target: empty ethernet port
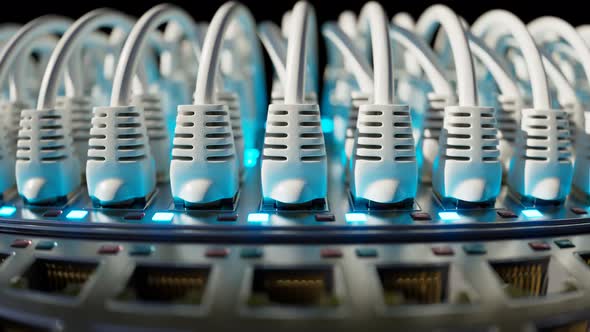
(579,326)
(533,277)
(586,258)
(57,277)
(3,258)
(411,285)
(311,286)
(163,284)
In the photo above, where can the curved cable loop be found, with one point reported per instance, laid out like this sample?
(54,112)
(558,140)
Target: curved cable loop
(355,62)
(172,37)
(584,31)
(496,66)
(19,79)
(68,45)
(347,22)
(275,45)
(10,54)
(373,20)
(135,44)
(213,44)
(565,91)
(406,21)
(8,30)
(504,22)
(440,15)
(425,57)
(566,32)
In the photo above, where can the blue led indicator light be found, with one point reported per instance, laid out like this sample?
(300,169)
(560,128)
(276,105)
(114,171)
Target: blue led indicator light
(449,216)
(251,157)
(327,125)
(356,218)
(77,215)
(258,218)
(7,211)
(163,216)
(532,213)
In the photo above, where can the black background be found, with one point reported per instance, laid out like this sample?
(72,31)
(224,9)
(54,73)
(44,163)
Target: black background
(576,12)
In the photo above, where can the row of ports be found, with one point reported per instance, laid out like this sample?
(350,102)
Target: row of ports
(299,286)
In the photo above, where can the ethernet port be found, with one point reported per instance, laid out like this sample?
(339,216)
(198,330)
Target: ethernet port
(166,284)
(586,258)
(305,286)
(58,277)
(536,277)
(579,326)
(3,258)
(414,285)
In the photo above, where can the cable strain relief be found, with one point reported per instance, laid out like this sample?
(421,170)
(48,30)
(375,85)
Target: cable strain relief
(204,166)
(468,167)
(294,161)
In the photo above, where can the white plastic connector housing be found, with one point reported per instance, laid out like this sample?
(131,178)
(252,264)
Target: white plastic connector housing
(11,111)
(384,168)
(120,166)
(233,105)
(428,141)
(204,166)
(7,160)
(156,131)
(467,167)
(543,168)
(294,161)
(278,97)
(358,99)
(581,180)
(46,168)
(507,120)
(77,113)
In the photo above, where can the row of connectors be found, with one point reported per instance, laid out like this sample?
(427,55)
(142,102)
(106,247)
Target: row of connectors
(463,139)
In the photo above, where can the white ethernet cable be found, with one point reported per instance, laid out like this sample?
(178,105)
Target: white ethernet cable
(542,168)
(205,167)
(23,86)
(510,99)
(120,168)
(294,162)
(467,168)
(60,185)
(76,106)
(276,47)
(443,94)
(383,162)
(356,63)
(564,31)
(311,40)
(406,21)
(178,70)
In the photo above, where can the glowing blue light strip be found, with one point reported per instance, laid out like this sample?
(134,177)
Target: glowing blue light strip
(77,215)
(7,211)
(163,216)
(258,218)
(355,218)
(532,213)
(449,216)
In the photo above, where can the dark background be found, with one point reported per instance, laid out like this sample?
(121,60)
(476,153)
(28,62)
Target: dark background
(575,12)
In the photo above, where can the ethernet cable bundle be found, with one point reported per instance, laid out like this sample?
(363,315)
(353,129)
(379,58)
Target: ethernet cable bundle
(105,107)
